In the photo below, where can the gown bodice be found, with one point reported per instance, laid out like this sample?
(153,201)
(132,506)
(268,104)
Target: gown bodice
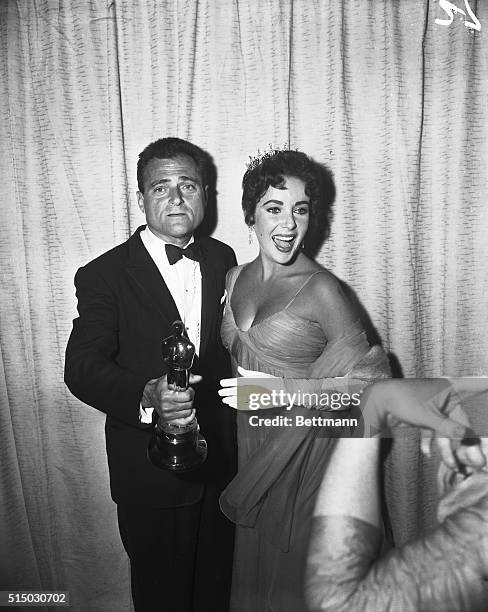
(280,468)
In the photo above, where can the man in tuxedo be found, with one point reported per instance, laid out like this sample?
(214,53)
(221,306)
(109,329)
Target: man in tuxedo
(179,543)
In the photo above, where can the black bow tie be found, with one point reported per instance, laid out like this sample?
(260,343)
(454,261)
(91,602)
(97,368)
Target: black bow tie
(175,253)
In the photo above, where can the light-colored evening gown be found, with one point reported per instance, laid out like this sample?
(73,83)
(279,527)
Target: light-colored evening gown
(271,499)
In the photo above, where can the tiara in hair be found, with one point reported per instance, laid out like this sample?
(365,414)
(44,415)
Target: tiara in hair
(270,151)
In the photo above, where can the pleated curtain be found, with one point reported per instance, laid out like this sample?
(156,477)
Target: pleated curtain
(392,102)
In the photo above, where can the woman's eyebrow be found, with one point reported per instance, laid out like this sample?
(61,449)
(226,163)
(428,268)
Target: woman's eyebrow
(272,202)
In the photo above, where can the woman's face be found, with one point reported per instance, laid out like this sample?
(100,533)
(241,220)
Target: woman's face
(281,220)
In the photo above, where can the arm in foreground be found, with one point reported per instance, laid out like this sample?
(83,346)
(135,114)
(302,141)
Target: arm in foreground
(443,570)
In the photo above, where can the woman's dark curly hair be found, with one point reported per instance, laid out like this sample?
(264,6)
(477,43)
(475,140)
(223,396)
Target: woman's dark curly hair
(271,170)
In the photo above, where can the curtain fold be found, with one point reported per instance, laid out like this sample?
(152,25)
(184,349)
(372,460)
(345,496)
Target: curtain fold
(392,102)
(61,167)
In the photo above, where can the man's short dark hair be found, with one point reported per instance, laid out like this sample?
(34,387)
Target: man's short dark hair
(169,148)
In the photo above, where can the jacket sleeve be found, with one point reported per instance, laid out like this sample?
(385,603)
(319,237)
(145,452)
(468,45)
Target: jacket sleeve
(91,372)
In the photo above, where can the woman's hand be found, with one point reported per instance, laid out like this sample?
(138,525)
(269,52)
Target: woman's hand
(237,395)
(430,404)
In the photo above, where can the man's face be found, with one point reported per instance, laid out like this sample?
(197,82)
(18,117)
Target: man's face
(174,198)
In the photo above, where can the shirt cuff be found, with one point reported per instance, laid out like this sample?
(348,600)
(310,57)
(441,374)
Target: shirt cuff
(145,415)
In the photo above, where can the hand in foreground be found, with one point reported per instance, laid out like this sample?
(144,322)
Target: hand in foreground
(172,406)
(430,404)
(228,393)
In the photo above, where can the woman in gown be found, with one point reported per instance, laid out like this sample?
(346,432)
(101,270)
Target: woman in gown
(287,317)
(445,570)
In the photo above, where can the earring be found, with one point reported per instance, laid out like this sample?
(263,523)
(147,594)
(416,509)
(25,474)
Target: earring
(251,229)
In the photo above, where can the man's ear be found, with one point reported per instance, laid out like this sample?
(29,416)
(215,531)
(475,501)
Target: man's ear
(205,191)
(140,201)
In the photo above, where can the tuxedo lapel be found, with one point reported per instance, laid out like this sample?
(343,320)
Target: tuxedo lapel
(144,275)
(210,298)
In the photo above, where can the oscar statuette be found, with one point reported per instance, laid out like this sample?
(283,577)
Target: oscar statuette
(178,448)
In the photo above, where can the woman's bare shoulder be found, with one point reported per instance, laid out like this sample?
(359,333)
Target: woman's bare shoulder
(234,272)
(323,295)
(324,283)
(232,276)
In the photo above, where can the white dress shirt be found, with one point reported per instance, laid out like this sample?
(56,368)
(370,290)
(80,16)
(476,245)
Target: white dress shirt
(184,281)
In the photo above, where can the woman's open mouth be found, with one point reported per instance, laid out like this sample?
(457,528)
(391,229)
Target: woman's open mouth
(284,242)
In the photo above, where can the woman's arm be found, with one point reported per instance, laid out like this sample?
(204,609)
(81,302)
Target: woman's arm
(445,570)
(351,482)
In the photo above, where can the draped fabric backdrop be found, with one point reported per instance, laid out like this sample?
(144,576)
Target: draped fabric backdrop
(393,102)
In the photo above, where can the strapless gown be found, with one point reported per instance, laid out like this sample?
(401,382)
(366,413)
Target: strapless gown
(271,499)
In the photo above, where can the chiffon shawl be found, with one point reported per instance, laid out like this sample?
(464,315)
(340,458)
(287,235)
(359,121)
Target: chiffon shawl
(276,484)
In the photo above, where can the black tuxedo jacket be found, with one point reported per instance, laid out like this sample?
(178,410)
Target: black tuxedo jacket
(125,310)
